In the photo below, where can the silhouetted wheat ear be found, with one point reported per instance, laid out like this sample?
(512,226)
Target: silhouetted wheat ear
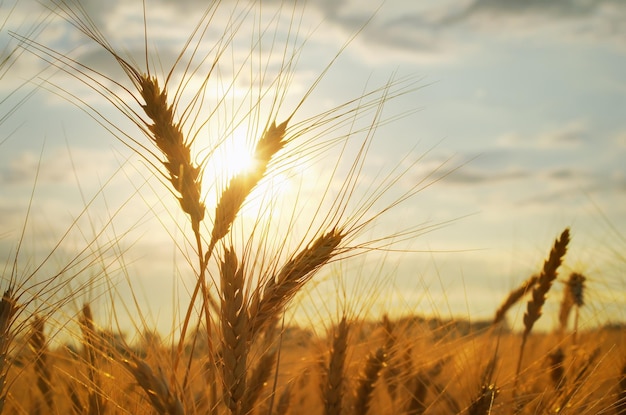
(546,278)
(240,186)
(39,347)
(234,323)
(270,299)
(168,137)
(543,285)
(514,296)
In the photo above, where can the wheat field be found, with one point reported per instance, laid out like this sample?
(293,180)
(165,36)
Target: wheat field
(248,253)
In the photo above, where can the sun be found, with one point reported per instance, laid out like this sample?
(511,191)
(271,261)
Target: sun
(236,155)
(233,156)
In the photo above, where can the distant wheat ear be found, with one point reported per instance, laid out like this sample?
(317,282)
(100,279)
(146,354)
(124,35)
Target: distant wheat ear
(284,401)
(333,385)
(161,397)
(557,368)
(543,285)
(258,380)
(91,349)
(373,365)
(573,297)
(39,346)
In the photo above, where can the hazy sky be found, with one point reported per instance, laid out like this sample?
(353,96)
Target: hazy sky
(527,99)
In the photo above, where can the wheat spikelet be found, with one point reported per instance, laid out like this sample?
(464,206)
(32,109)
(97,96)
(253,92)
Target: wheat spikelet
(39,346)
(333,387)
(373,366)
(234,323)
(514,296)
(278,291)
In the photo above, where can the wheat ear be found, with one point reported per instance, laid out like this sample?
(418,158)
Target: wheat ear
(39,346)
(279,290)
(557,369)
(90,348)
(284,401)
(546,278)
(373,366)
(234,322)
(156,387)
(240,186)
(573,296)
(257,380)
(230,203)
(333,387)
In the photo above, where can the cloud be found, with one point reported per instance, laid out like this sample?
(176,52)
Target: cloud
(449,30)
(570,135)
(57,168)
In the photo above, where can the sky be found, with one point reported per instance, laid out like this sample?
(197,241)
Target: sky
(516,109)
